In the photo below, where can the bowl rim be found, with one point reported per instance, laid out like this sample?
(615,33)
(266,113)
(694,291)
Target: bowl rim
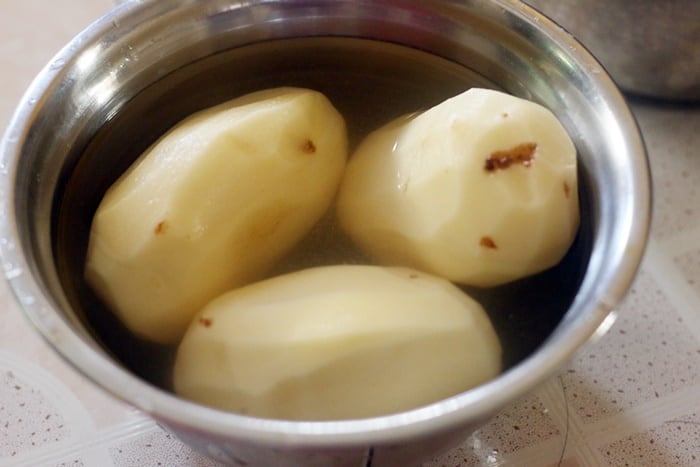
(474,405)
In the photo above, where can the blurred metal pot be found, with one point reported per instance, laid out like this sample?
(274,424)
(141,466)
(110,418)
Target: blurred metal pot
(649,47)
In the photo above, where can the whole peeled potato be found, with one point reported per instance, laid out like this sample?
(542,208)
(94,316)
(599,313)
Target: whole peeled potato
(480,189)
(212,205)
(336,342)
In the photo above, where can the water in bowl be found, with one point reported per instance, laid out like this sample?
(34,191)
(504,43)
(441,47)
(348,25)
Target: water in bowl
(370,83)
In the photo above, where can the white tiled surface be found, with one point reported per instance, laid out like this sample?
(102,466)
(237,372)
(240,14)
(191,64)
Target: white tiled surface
(631,399)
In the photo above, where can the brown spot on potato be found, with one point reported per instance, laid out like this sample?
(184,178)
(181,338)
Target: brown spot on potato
(160,228)
(567,190)
(487,242)
(206,322)
(308,147)
(522,154)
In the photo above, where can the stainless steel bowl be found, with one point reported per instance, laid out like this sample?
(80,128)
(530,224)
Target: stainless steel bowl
(650,47)
(130,75)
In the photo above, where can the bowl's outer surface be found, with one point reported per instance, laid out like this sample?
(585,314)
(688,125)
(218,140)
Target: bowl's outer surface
(139,42)
(650,47)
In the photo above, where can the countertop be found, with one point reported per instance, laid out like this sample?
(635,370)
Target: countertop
(632,398)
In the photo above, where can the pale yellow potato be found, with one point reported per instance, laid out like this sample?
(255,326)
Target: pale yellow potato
(336,342)
(480,189)
(212,205)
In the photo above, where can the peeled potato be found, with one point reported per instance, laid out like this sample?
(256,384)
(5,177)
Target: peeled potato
(336,342)
(481,189)
(212,205)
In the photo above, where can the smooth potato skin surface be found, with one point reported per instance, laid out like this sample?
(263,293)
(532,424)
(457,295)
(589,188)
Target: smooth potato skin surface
(336,342)
(212,205)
